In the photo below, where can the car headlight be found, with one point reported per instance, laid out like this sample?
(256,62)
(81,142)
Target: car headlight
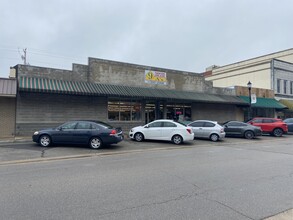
(36,133)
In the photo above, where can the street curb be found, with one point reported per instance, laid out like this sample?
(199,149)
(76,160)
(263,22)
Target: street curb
(81,156)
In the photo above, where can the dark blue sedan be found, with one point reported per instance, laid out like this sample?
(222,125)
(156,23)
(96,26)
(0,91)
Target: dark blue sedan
(92,133)
(289,122)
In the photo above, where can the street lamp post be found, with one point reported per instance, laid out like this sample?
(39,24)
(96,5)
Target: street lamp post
(249,93)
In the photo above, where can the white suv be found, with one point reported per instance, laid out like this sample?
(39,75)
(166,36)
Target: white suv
(207,129)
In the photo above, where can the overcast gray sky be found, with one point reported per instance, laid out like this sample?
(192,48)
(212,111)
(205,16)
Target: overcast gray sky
(184,35)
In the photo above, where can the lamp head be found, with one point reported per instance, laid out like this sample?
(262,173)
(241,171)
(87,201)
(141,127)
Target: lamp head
(249,85)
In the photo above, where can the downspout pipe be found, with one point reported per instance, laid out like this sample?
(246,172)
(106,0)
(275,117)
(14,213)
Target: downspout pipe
(273,75)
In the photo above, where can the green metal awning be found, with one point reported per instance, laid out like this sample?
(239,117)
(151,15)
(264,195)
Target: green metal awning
(264,103)
(33,84)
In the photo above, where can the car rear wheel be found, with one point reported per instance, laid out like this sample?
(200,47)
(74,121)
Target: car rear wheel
(214,137)
(96,143)
(45,140)
(278,132)
(249,135)
(139,137)
(177,139)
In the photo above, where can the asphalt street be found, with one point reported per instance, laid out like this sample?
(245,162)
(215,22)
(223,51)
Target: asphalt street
(230,179)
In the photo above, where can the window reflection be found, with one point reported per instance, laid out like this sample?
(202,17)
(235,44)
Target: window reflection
(119,110)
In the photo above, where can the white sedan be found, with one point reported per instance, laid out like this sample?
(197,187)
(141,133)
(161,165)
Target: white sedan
(162,129)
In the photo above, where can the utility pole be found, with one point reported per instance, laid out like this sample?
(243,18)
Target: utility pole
(23,57)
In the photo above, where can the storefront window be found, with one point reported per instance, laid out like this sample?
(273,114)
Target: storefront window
(180,112)
(113,111)
(124,110)
(136,111)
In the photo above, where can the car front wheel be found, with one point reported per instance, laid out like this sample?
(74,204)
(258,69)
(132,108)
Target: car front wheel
(177,139)
(249,135)
(214,137)
(139,137)
(45,140)
(278,132)
(95,143)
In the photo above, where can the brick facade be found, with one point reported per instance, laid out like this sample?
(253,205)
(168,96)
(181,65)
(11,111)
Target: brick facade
(40,110)
(36,110)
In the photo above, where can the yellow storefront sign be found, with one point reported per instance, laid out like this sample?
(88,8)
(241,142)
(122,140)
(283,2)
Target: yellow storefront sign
(155,77)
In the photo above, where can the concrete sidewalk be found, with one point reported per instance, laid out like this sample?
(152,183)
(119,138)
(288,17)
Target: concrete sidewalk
(15,139)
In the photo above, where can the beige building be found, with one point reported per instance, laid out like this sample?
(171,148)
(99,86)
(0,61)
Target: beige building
(272,72)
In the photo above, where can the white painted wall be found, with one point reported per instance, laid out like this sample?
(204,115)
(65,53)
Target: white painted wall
(256,70)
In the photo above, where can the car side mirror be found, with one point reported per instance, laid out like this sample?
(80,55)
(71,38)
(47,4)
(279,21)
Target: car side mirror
(59,128)
(225,126)
(146,126)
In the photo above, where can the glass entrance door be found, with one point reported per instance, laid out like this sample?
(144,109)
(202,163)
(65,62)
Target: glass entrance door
(153,111)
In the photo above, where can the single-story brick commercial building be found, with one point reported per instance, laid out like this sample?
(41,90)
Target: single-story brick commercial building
(121,94)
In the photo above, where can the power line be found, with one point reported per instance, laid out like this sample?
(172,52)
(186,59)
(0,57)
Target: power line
(51,54)
(41,52)
(9,49)
(9,58)
(49,59)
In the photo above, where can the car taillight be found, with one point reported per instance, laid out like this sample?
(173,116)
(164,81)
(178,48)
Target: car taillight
(222,130)
(113,132)
(189,130)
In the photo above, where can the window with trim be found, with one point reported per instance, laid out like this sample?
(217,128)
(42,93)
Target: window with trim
(291,87)
(181,112)
(285,86)
(124,110)
(278,85)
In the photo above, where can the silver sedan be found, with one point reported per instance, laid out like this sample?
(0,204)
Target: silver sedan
(207,129)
